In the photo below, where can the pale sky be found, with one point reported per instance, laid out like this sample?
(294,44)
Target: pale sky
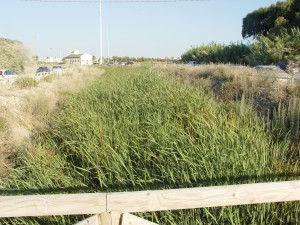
(167,29)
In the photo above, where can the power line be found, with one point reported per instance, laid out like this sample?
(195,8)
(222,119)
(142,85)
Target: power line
(112,1)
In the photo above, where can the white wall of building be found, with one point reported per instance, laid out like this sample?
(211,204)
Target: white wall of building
(86,59)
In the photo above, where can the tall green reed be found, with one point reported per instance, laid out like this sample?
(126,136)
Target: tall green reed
(135,129)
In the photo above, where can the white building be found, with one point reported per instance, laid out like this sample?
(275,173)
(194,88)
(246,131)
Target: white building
(77,59)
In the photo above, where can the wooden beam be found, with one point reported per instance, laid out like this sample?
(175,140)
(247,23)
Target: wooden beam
(189,198)
(129,219)
(46,205)
(93,220)
(143,201)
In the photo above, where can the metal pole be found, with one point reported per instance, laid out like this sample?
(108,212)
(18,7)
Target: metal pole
(100,21)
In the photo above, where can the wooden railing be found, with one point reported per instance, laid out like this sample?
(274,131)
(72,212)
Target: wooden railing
(114,208)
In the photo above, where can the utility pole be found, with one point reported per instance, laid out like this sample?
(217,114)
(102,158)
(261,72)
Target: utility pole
(34,48)
(108,44)
(100,24)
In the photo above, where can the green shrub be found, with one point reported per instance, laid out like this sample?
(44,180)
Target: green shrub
(234,53)
(273,48)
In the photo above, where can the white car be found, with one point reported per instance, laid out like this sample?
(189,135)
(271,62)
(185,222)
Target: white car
(192,63)
(6,74)
(58,69)
(272,72)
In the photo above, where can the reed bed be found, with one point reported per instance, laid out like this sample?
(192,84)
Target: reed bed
(136,129)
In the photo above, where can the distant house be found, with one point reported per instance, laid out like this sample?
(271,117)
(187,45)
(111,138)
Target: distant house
(77,59)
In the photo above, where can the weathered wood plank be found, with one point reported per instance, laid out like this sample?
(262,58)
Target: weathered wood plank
(45,205)
(115,218)
(105,218)
(129,219)
(97,203)
(189,198)
(93,220)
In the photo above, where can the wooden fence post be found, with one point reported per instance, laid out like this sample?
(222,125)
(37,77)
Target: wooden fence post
(104,218)
(110,218)
(93,220)
(114,218)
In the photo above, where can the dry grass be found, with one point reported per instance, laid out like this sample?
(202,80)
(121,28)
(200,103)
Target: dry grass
(231,83)
(23,110)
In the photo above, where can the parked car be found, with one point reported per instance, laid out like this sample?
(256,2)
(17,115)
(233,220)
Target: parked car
(272,71)
(58,69)
(282,65)
(192,63)
(238,66)
(41,72)
(297,76)
(111,63)
(6,74)
(291,69)
(43,69)
(122,64)
(128,63)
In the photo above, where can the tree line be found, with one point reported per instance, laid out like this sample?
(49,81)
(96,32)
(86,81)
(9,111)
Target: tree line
(275,32)
(139,59)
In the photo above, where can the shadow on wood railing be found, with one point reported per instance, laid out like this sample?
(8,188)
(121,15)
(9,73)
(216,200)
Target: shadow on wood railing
(242,179)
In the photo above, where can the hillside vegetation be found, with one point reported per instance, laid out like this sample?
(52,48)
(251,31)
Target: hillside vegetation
(14,55)
(137,129)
